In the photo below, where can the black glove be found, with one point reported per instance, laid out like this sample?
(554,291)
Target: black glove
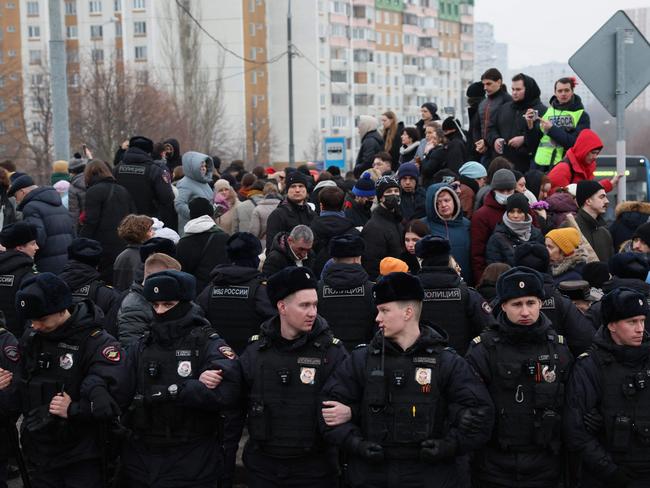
(472,420)
(38,418)
(102,405)
(593,421)
(370,451)
(619,478)
(435,450)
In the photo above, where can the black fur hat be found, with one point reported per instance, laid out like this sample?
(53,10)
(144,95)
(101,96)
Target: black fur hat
(397,287)
(42,294)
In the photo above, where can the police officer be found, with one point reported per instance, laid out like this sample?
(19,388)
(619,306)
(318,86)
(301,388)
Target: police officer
(611,383)
(184,375)
(148,181)
(565,317)
(236,302)
(448,302)
(284,367)
(9,357)
(16,263)
(524,364)
(81,275)
(345,293)
(71,374)
(410,392)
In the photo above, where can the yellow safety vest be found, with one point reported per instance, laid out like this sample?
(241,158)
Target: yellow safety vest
(548,152)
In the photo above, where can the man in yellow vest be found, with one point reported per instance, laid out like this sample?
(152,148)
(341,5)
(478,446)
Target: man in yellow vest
(558,128)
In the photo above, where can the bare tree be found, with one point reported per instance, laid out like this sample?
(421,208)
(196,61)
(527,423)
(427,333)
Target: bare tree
(261,142)
(314,146)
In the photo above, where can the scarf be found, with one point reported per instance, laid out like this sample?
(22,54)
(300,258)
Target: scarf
(521,229)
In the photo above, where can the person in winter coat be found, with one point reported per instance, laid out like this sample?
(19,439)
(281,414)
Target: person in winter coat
(432,153)
(359,203)
(77,191)
(486,218)
(59,172)
(265,206)
(445,219)
(629,216)
(172,154)
(487,286)
(371,144)
(456,147)
(410,143)
(204,244)
(107,203)
(414,230)
(292,211)
(497,95)
(290,249)
(472,176)
(640,241)
(593,203)
(429,113)
(507,131)
(559,127)
(566,255)
(134,230)
(515,229)
(244,211)
(580,163)
(42,207)
(135,314)
(225,203)
(392,136)
(7,205)
(197,168)
(412,195)
(475,94)
(383,232)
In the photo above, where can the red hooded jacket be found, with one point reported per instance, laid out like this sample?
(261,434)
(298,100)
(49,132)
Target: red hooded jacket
(562,175)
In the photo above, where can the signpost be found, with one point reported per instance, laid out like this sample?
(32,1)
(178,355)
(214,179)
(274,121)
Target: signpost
(334,152)
(615,64)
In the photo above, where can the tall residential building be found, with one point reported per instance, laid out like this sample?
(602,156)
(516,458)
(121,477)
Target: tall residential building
(488,53)
(351,57)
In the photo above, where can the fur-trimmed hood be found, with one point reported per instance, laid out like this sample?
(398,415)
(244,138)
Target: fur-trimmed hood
(569,262)
(640,207)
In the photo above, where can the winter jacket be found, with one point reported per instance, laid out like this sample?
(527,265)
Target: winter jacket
(282,256)
(629,215)
(371,144)
(455,152)
(192,185)
(484,221)
(325,227)
(285,217)
(15,266)
(126,266)
(509,122)
(260,216)
(174,159)
(412,204)
(201,248)
(244,213)
(357,213)
(42,207)
(7,209)
(134,316)
(560,205)
(407,153)
(432,162)
(596,233)
(487,110)
(382,235)
(396,145)
(573,168)
(456,229)
(76,198)
(107,203)
(502,243)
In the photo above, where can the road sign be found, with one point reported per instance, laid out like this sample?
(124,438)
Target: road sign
(334,151)
(595,62)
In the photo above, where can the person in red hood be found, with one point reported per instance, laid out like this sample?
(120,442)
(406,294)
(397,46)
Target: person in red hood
(580,163)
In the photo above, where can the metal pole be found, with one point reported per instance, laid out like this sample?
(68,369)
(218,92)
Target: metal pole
(620,113)
(292,156)
(350,75)
(58,83)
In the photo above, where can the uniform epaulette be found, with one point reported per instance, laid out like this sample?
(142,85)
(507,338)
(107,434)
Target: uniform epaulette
(583,355)
(213,335)
(359,346)
(477,340)
(335,341)
(95,332)
(560,339)
(254,338)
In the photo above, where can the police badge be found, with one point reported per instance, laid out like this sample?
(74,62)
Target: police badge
(423,376)
(307,375)
(184,369)
(66,361)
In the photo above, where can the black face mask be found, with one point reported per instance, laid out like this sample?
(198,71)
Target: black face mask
(174,313)
(368,205)
(391,202)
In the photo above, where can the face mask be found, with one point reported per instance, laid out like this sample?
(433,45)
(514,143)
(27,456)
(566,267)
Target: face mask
(368,205)
(391,202)
(500,198)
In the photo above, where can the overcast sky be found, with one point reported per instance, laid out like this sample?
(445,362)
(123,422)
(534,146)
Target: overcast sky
(539,31)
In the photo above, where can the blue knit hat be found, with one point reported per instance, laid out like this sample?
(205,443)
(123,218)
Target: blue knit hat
(364,187)
(408,169)
(472,169)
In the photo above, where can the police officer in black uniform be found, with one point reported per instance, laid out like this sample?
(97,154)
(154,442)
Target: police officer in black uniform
(236,302)
(345,292)
(81,275)
(71,376)
(565,317)
(607,417)
(148,181)
(410,394)
(184,374)
(524,364)
(448,302)
(16,263)
(284,367)
(9,357)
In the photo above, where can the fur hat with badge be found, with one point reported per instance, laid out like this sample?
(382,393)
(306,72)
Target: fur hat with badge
(170,285)
(18,234)
(622,303)
(41,295)
(518,282)
(288,281)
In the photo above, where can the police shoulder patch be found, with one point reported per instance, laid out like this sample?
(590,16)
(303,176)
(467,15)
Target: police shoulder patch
(95,332)
(560,339)
(111,353)
(477,340)
(336,341)
(12,353)
(254,338)
(227,352)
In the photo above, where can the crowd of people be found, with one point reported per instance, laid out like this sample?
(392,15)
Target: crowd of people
(453,312)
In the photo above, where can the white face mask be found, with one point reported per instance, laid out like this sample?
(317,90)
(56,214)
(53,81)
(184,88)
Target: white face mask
(500,198)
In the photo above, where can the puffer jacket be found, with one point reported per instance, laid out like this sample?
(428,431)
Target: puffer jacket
(192,185)
(134,316)
(260,215)
(42,207)
(76,197)
(503,242)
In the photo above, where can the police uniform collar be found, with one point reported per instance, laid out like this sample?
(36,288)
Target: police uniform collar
(271,331)
(515,333)
(629,355)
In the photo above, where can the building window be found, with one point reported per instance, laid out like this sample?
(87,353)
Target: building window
(34,56)
(72,55)
(11,5)
(34,31)
(96,31)
(138,4)
(3,127)
(37,79)
(97,55)
(142,77)
(251,29)
(32,9)
(11,28)
(36,126)
(2,81)
(71,7)
(140,53)
(73,80)
(11,53)
(95,6)
(71,32)
(118,29)
(117,5)
(139,28)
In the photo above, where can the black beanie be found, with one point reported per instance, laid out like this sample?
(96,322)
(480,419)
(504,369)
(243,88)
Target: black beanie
(629,265)
(519,201)
(585,189)
(87,251)
(532,255)
(475,90)
(199,207)
(643,232)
